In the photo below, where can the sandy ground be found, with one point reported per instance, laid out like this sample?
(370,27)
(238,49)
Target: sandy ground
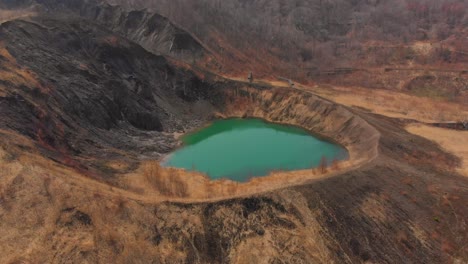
(453,141)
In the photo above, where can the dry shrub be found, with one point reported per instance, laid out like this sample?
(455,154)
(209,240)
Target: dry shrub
(168,181)
(139,251)
(323,165)
(232,188)
(4,199)
(178,185)
(436,159)
(137,190)
(240,101)
(110,239)
(46,182)
(152,172)
(335,165)
(210,190)
(120,204)
(111,40)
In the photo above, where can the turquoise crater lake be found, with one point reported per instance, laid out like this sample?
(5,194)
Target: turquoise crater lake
(239,149)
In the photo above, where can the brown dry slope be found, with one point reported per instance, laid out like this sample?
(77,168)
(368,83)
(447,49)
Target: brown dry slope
(69,143)
(401,207)
(453,141)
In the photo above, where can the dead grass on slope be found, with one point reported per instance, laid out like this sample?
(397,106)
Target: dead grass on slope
(167,181)
(151,181)
(453,141)
(52,214)
(48,217)
(15,75)
(384,102)
(395,104)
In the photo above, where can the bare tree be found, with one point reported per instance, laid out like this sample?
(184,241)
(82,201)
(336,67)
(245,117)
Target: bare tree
(323,164)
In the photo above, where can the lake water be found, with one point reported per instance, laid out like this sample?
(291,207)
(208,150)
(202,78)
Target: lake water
(239,149)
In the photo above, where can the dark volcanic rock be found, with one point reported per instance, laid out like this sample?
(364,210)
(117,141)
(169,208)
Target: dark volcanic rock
(92,83)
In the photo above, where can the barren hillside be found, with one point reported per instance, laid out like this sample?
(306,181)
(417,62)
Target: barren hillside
(93,95)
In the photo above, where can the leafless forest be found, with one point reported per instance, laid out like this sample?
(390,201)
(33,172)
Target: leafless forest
(322,32)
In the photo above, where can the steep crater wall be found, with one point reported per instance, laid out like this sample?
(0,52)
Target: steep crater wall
(89,98)
(300,108)
(286,106)
(75,86)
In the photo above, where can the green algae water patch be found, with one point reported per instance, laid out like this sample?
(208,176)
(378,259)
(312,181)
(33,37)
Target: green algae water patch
(239,149)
